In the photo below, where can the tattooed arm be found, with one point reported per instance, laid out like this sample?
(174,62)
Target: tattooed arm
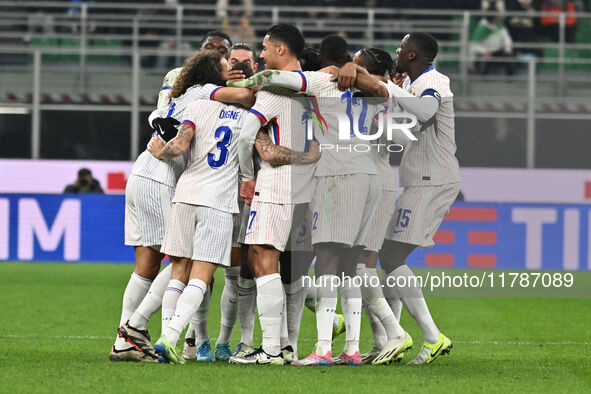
(176,146)
(286,79)
(278,155)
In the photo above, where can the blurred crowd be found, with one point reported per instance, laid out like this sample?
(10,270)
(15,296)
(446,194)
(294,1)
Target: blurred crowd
(494,35)
(491,37)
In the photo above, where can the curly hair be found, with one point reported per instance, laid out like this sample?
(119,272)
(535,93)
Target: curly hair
(379,62)
(204,66)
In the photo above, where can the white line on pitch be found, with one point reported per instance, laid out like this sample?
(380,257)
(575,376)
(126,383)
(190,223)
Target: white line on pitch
(520,343)
(85,337)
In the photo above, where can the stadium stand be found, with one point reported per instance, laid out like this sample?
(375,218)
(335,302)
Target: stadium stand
(111,57)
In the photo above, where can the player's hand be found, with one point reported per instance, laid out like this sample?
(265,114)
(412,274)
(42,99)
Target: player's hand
(346,76)
(165,127)
(247,190)
(334,70)
(233,75)
(156,145)
(314,151)
(399,79)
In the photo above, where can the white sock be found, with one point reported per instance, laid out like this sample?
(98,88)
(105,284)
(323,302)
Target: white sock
(396,306)
(229,304)
(392,297)
(152,301)
(187,305)
(311,304)
(295,295)
(190,332)
(247,291)
(270,303)
(284,338)
(326,303)
(413,300)
(136,289)
(171,295)
(199,320)
(379,334)
(311,295)
(377,330)
(373,297)
(351,306)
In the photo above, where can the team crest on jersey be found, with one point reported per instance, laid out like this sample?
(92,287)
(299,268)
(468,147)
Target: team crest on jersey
(313,113)
(316,117)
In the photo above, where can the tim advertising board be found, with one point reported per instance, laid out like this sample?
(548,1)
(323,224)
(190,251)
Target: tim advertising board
(63,228)
(512,236)
(478,184)
(473,235)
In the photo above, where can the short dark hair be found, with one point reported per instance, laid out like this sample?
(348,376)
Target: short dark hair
(311,57)
(378,61)
(216,33)
(246,47)
(83,172)
(424,43)
(335,50)
(289,35)
(245,67)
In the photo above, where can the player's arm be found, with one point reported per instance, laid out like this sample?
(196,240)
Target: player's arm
(246,141)
(278,155)
(167,82)
(176,146)
(287,79)
(166,127)
(334,70)
(352,75)
(229,95)
(423,107)
(369,85)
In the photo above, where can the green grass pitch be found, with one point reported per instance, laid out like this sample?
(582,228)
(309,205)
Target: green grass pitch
(58,323)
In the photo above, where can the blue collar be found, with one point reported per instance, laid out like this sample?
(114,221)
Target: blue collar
(424,72)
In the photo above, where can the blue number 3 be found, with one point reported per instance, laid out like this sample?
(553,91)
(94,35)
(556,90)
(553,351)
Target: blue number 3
(223,135)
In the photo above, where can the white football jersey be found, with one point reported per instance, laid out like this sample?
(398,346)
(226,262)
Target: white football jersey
(385,170)
(431,159)
(176,108)
(211,177)
(382,154)
(336,110)
(282,114)
(168,173)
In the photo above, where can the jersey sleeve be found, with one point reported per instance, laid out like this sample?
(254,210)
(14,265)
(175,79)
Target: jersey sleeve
(437,86)
(191,114)
(167,83)
(314,82)
(267,106)
(203,92)
(432,93)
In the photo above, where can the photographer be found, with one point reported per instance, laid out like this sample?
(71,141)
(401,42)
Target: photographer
(85,183)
